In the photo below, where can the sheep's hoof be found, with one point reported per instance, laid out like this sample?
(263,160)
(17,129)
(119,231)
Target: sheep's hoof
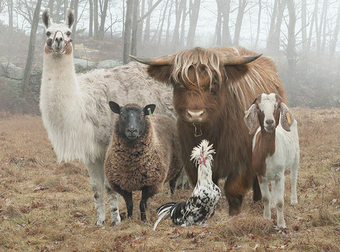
(122,216)
(113,223)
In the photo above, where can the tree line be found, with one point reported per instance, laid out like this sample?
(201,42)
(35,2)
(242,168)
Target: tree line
(294,33)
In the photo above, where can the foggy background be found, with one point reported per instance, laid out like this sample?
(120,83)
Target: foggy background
(302,37)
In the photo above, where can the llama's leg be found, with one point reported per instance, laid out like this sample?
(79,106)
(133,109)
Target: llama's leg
(293,179)
(279,194)
(265,197)
(113,198)
(272,192)
(96,173)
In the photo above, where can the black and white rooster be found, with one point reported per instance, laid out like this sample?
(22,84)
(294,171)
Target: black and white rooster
(203,200)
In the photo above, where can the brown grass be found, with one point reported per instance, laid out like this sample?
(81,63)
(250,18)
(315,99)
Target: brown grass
(46,206)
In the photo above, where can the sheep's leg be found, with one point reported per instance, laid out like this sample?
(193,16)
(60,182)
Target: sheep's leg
(293,179)
(128,201)
(96,173)
(113,198)
(272,192)
(279,194)
(265,197)
(147,192)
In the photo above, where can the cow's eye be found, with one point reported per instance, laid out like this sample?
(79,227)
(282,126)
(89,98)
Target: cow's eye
(48,34)
(213,92)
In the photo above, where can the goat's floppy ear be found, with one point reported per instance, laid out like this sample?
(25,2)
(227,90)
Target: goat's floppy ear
(250,119)
(114,107)
(69,20)
(149,109)
(46,18)
(287,117)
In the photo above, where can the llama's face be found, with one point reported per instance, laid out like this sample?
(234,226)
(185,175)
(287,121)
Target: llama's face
(58,35)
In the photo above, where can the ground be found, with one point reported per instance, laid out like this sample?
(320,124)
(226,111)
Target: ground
(48,206)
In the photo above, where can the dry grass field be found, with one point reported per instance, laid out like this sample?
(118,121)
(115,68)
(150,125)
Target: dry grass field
(47,206)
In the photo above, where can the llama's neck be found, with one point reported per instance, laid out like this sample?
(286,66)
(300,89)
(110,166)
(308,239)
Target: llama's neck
(59,75)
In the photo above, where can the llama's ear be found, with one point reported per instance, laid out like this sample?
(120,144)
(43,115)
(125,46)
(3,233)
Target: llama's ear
(114,107)
(69,20)
(149,109)
(46,18)
(287,117)
(250,119)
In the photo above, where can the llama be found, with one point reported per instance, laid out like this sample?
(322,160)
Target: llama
(75,109)
(275,149)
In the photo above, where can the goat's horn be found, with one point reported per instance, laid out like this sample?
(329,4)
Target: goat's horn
(238,60)
(157,61)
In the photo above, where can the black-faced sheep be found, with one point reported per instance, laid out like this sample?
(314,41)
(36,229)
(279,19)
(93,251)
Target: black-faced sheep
(144,154)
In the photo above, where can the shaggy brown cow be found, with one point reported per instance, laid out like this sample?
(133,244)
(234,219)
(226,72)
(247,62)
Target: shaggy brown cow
(212,89)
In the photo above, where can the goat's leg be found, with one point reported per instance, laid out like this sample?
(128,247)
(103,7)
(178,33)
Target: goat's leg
(279,194)
(272,192)
(293,180)
(96,173)
(265,197)
(113,198)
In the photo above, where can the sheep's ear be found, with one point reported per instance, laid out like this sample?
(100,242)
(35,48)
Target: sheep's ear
(114,107)
(46,18)
(250,119)
(149,109)
(69,20)
(287,117)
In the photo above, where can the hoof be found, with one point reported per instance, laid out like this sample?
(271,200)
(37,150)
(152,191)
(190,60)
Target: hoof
(99,223)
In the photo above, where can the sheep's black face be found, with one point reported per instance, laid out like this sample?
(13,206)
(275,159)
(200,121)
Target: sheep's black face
(131,122)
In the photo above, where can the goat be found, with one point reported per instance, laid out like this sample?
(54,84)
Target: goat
(144,154)
(275,149)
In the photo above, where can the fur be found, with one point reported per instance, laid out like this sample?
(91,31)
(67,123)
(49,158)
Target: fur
(275,149)
(146,162)
(75,109)
(218,95)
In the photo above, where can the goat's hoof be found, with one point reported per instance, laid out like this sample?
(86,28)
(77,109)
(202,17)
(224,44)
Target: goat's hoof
(122,216)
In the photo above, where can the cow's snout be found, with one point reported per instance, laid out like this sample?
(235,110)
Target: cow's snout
(196,115)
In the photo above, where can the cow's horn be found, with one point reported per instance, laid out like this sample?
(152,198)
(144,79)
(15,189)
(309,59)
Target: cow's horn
(156,61)
(238,60)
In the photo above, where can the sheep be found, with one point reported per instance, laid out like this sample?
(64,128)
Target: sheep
(144,154)
(275,149)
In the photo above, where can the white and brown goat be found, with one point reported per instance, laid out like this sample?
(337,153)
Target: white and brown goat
(275,149)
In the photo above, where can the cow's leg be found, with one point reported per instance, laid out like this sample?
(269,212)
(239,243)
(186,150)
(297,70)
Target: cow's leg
(113,198)
(235,187)
(256,190)
(96,173)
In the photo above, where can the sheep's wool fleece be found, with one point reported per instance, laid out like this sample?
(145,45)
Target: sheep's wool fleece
(151,160)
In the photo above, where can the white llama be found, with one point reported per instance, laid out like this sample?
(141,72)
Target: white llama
(75,109)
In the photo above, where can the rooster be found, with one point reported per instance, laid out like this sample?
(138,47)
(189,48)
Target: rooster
(203,200)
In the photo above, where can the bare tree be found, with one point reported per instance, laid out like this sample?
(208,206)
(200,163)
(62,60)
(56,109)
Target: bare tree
(334,38)
(102,19)
(31,49)
(180,7)
(194,8)
(273,39)
(127,30)
(241,8)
